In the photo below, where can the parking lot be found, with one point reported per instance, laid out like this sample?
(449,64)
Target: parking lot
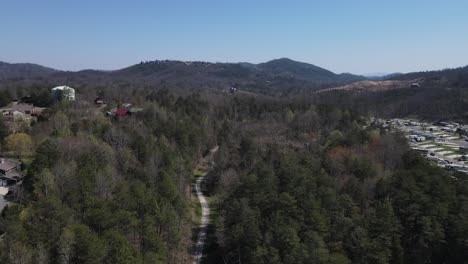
(444,143)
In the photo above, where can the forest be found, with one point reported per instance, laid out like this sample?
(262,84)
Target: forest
(350,195)
(301,178)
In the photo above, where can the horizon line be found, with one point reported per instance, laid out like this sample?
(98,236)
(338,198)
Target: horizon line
(369,74)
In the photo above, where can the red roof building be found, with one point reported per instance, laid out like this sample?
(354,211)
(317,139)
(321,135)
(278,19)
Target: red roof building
(121,111)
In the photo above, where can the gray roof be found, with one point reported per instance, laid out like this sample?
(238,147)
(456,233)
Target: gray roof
(23,107)
(8,164)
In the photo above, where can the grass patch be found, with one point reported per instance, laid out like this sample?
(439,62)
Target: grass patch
(446,148)
(424,143)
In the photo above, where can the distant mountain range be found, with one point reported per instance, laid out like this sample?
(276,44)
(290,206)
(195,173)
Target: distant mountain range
(276,75)
(279,68)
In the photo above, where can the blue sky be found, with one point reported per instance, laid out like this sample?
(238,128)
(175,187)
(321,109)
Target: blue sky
(359,36)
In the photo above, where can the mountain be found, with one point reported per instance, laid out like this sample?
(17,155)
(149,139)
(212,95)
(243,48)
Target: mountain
(285,67)
(276,77)
(280,68)
(290,68)
(275,70)
(23,70)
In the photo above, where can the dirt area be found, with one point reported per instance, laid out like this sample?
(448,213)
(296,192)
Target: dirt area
(373,86)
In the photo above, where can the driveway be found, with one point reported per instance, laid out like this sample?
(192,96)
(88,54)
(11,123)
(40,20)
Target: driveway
(3,203)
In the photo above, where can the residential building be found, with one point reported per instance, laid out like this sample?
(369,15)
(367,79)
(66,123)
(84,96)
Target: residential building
(63,92)
(18,112)
(99,101)
(10,172)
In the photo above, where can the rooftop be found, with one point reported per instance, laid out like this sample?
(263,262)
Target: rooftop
(23,107)
(63,87)
(121,111)
(8,164)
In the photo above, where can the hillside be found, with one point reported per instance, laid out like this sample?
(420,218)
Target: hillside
(279,77)
(23,70)
(299,70)
(374,86)
(450,77)
(447,78)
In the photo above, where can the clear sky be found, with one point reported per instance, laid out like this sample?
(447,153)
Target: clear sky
(358,36)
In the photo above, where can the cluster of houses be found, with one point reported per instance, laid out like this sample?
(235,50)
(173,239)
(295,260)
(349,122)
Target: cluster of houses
(11,175)
(24,109)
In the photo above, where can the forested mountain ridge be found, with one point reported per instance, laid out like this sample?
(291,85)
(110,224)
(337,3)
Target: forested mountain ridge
(280,67)
(23,70)
(437,95)
(280,77)
(304,71)
(455,76)
(274,77)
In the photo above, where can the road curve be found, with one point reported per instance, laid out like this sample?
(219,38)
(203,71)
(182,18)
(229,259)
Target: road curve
(205,219)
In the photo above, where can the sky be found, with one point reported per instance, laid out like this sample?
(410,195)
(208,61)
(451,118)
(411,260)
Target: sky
(359,36)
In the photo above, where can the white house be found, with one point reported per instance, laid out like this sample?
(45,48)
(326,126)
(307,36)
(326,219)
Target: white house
(64,92)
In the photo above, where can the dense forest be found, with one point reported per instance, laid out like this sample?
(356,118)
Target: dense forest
(299,177)
(102,190)
(349,195)
(426,103)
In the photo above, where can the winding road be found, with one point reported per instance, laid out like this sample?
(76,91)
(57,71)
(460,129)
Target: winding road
(205,219)
(205,216)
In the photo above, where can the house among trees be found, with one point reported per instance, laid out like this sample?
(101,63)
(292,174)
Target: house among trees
(233,90)
(125,109)
(18,112)
(99,101)
(121,111)
(10,172)
(21,112)
(63,92)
